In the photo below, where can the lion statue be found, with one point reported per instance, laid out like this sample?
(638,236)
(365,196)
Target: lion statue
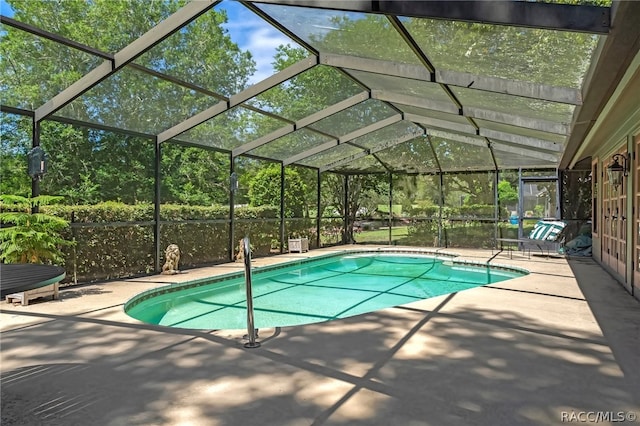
(172,257)
(240,255)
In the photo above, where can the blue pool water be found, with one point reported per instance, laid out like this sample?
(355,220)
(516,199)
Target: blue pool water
(316,290)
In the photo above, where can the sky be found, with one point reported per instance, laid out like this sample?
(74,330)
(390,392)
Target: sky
(252,33)
(5,9)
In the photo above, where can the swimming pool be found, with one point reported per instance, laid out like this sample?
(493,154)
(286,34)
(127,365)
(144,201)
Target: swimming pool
(313,290)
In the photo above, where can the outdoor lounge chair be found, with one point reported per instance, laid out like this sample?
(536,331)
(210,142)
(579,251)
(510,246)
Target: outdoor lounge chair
(546,236)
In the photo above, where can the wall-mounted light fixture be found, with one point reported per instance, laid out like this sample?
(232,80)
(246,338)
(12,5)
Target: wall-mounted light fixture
(233,182)
(37,163)
(618,171)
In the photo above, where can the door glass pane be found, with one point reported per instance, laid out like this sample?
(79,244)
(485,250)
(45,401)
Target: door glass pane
(539,200)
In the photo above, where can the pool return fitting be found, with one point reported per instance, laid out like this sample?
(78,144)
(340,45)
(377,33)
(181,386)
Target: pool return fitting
(251,330)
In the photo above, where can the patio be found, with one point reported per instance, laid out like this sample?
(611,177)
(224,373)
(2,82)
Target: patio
(551,346)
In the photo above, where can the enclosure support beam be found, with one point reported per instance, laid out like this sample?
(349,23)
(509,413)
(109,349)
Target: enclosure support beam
(232,203)
(520,203)
(433,150)
(472,112)
(526,141)
(440,124)
(466,139)
(193,121)
(273,80)
(39,32)
(282,207)
(440,209)
(493,154)
(345,220)
(239,98)
(344,139)
(543,156)
(263,140)
(370,128)
(302,123)
(35,182)
(310,152)
(496,214)
(371,151)
(519,121)
(586,18)
(419,102)
(319,209)
(390,206)
(156,203)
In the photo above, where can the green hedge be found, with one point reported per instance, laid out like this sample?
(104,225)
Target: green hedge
(109,252)
(477,210)
(485,211)
(470,235)
(103,212)
(120,212)
(463,234)
(107,248)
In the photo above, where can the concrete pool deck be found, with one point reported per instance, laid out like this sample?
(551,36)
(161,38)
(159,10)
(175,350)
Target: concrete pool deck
(557,346)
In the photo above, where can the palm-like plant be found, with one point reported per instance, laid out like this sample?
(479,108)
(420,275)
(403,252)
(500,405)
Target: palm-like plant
(27,237)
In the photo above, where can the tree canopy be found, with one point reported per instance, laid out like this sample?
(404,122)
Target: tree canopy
(264,189)
(87,165)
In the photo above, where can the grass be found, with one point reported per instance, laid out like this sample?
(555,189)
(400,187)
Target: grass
(381,235)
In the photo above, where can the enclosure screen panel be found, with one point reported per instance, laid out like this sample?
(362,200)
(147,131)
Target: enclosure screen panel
(307,93)
(414,156)
(507,52)
(345,33)
(457,156)
(354,118)
(291,144)
(516,105)
(132,100)
(232,128)
(28,64)
(109,29)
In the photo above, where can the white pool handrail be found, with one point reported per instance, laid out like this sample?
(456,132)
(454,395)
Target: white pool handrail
(251,330)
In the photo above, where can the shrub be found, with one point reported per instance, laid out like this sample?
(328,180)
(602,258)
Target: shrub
(27,237)
(116,240)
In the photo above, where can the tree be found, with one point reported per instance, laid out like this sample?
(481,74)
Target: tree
(361,187)
(27,237)
(576,195)
(419,191)
(507,194)
(505,51)
(14,146)
(88,166)
(264,189)
(194,176)
(309,92)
